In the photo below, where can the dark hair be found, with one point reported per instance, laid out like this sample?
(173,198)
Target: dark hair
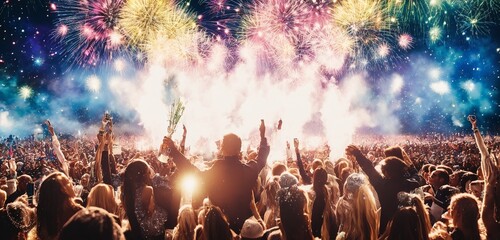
(428,168)
(292,202)
(449,170)
(393,168)
(443,174)
(405,224)
(136,174)
(320,178)
(215,226)
(91,223)
(55,196)
(394,151)
(467,177)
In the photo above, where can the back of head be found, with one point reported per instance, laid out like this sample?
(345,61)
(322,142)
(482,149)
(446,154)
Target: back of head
(394,151)
(415,201)
(466,179)
(278,169)
(320,177)
(136,174)
(443,175)
(316,164)
(102,195)
(22,182)
(17,217)
(449,170)
(362,222)
(271,189)
(292,203)
(216,226)
(54,195)
(393,168)
(287,180)
(91,223)
(186,223)
(405,224)
(231,145)
(464,210)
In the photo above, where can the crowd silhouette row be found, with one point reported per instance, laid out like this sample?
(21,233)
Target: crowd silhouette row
(396,187)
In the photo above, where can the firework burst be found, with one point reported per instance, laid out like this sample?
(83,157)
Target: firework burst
(25,92)
(367,23)
(474,18)
(145,21)
(405,41)
(93,83)
(88,31)
(408,13)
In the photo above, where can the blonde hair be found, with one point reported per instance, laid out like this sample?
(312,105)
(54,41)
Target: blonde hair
(102,195)
(186,224)
(357,212)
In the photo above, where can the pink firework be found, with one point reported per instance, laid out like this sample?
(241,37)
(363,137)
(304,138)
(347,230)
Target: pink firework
(88,30)
(271,17)
(405,41)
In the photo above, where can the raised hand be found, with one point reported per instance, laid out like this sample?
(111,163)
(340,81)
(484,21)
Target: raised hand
(49,126)
(352,150)
(262,129)
(296,143)
(472,119)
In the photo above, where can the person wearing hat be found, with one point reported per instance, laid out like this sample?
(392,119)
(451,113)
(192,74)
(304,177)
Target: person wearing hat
(229,182)
(251,230)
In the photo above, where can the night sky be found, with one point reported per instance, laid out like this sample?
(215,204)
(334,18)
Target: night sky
(448,73)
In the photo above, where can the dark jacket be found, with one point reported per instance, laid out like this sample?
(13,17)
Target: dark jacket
(228,183)
(387,189)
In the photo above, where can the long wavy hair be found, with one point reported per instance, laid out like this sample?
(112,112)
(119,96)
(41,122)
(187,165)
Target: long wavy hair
(272,206)
(294,220)
(136,175)
(405,224)
(216,226)
(55,205)
(186,224)
(322,208)
(464,210)
(357,210)
(103,196)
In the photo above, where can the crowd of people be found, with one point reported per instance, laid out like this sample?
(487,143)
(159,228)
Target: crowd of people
(396,187)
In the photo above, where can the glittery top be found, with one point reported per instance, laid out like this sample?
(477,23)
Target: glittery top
(151,226)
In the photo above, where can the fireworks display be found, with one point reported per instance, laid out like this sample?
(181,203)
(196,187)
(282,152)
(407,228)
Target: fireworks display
(328,68)
(88,30)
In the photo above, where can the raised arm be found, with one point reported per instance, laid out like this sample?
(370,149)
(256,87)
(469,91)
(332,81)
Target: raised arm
(486,162)
(56,145)
(263,149)
(306,179)
(168,148)
(183,141)
(365,164)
